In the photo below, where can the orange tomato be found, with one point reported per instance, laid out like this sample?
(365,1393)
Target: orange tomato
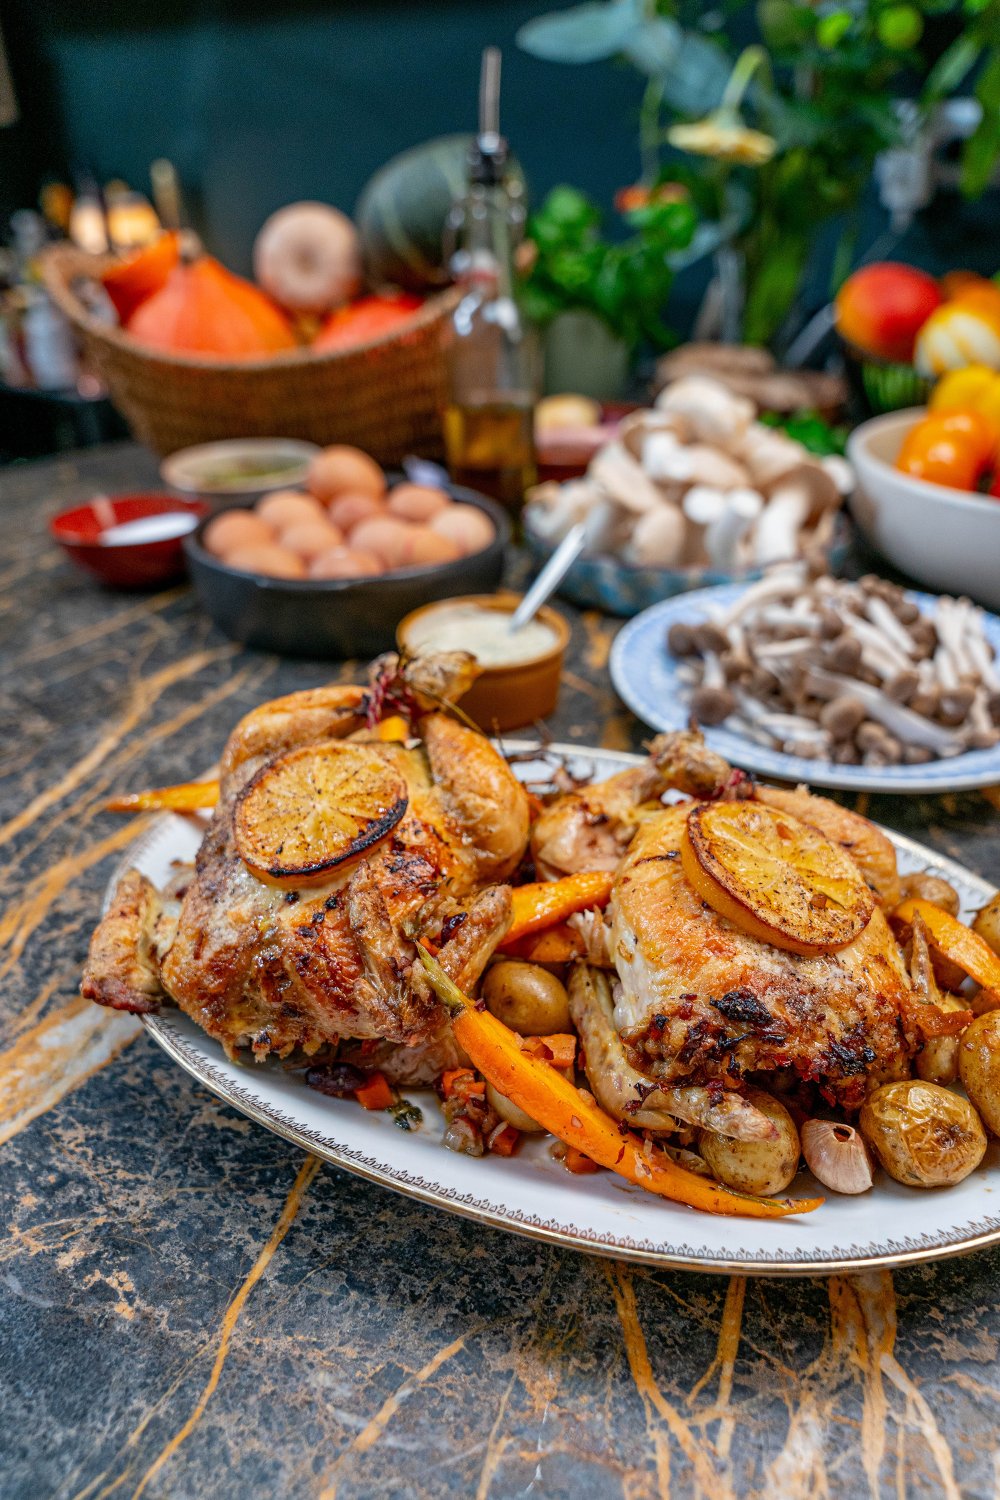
(953,448)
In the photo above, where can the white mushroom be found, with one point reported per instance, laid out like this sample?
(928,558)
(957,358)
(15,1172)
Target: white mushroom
(658,538)
(801,497)
(741,508)
(715,415)
(554,508)
(769,455)
(695,463)
(839,471)
(617,472)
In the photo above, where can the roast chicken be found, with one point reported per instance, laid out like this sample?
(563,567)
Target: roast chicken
(273,968)
(689,1006)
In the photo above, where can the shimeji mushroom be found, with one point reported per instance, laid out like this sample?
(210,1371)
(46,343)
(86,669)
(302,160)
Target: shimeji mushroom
(834,668)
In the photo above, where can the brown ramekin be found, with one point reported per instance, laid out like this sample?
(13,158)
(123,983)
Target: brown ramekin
(505,698)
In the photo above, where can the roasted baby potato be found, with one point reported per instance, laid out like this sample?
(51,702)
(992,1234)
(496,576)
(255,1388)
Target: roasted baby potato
(979,1066)
(778,879)
(510,1112)
(987,923)
(929,887)
(312,810)
(937,1062)
(757,1167)
(527,998)
(924,1135)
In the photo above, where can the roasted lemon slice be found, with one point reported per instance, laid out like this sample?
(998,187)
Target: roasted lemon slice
(306,813)
(776,878)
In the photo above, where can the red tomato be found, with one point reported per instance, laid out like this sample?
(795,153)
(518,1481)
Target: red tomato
(368,318)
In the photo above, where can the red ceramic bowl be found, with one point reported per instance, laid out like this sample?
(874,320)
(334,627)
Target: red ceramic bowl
(85,535)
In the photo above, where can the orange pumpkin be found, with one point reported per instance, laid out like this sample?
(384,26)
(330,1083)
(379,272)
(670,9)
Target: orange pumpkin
(205,309)
(135,277)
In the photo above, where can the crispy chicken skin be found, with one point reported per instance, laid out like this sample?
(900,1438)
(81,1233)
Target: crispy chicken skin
(702,1001)
(121,970)
(274,969)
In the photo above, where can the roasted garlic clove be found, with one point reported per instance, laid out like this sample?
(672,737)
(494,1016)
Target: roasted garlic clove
(837,1156)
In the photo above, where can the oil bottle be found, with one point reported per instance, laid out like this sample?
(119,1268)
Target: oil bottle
(494,360)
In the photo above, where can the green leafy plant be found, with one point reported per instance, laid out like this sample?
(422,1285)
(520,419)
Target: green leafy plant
(822,88)
(626,283)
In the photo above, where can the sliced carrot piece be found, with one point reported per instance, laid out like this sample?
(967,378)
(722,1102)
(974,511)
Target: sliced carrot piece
(562,1109)
(375,1092)
(188,796)
(575,1161)
(954,940)
(393,728)
(461,1082)
(559,1049)
(506,1141)
(542,903)
(558,944)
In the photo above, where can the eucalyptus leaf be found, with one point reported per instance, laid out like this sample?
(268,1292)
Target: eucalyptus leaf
(653,46)
(584,33)
(695,81)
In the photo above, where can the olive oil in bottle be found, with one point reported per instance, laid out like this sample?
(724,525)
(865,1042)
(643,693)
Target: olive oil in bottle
(491,448)
(493,365)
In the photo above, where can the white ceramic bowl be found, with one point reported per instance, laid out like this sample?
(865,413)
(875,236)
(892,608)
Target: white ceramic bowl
(944,538)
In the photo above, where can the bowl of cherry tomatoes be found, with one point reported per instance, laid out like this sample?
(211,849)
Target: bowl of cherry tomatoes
(928,492)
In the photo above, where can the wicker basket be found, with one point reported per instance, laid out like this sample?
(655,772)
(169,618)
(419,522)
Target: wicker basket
(385,396)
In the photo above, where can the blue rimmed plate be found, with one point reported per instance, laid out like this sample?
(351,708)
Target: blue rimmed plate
(645,677)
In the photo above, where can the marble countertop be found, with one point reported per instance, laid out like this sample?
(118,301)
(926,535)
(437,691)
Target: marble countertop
(190,1307)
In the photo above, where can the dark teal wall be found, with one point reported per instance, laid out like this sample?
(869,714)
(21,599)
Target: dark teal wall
(261,104)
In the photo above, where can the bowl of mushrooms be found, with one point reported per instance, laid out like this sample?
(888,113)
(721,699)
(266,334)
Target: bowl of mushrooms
(853,684)
(691,492)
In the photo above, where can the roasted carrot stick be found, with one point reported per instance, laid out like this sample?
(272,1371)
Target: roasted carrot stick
(549,1098)
(545,902)
(954,940)
(187,797)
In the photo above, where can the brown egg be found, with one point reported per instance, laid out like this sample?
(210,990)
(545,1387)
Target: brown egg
(283,508)
(417,502)
(339,469)
(310,538)
(425,547)
(236,528)
(388,538)
(347,510)
(270,561)
(470,529)
(345,562)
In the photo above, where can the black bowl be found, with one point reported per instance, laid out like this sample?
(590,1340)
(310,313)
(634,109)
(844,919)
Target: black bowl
(340,617)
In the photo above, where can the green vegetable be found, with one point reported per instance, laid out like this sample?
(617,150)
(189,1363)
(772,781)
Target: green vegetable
(625,283)
(811,430)
(403,212)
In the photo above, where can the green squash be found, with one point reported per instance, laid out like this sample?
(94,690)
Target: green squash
(403,211)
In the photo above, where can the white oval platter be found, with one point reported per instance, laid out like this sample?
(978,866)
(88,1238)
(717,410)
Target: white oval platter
(530,1193)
